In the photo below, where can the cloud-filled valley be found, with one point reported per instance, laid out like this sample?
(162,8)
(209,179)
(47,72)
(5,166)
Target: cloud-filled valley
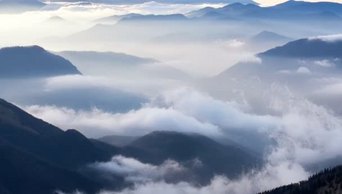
(143,97)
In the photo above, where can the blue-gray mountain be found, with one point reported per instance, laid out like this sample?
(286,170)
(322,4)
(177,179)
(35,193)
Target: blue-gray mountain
(92,57)
(33,61)
(290,57)
(308,48)
(215,158)
(268,36)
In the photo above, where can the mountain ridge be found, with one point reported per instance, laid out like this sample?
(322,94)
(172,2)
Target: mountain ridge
(33,61)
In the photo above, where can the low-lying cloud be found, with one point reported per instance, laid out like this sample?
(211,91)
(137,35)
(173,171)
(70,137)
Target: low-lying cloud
(252,183)
(135,171)
(328,38)
(299,127)
(301,135)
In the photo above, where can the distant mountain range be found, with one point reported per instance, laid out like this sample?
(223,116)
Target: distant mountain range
(140,17)
(18,63)
(120,65)
(288,57)
(296,10)
(327,181)
(159,1)
(82,57)
(37,157)
(33,61)
(295,64)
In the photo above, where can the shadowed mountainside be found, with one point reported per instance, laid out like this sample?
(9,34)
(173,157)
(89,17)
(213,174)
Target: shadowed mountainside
(328,181)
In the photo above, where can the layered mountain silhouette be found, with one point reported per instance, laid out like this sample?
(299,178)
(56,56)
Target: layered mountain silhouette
(290,56)
(295,63)
(202,155)
(137,17)
(122,59)
(308,48)
(297,10)
(120,65)
(33,61)
(37,157)
(327,181)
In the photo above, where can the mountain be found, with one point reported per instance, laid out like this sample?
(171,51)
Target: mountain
(160,1)
(266,40)
(45,140)
(82,57)
(33,61)
(85,98)
(55,19)
(295,64)
(13,6)
(290,10)
(327,181)
(115,18)
(203,156)
(121,65)
(21,172)
(310,7)
(280,61)
(145,18)
(268,36)
(320,47)
(38,157)
(118,140)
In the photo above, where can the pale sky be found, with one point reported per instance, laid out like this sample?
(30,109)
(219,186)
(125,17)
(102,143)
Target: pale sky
(273,2)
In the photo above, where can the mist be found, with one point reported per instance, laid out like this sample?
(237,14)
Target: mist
(270,86)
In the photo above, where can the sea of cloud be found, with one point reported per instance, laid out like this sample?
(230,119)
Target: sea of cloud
(301,135)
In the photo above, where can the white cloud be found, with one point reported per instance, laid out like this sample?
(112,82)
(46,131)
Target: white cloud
(324,63)
(274,2)
(268,178)
(300,128)
(136,171)
(207,109)
(303,134)
(138,122)
(330,89)
(328,38)
(181,110)
(303,70)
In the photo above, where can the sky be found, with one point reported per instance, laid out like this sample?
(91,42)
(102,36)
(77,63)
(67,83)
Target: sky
(273,2)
